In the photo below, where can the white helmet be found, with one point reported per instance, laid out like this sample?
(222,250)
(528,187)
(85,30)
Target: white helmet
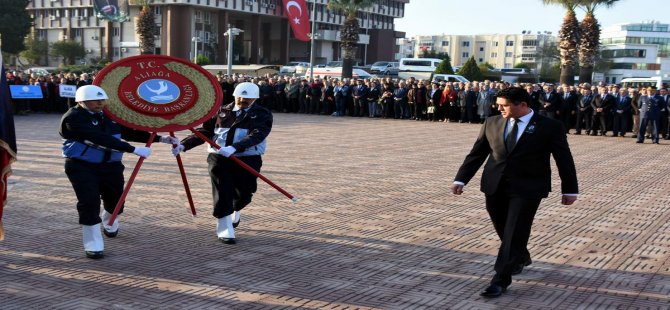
(246,90)
(90,92)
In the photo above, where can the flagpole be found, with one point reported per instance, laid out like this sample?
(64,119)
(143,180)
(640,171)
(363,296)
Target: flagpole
(312,36)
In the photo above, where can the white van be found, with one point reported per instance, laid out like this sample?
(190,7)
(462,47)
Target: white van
(644,82)
(450,78)
(419,64)
(337,73)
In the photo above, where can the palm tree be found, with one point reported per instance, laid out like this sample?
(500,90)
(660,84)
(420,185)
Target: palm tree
(589,45)
(146,28)
(349,31)
(568,38)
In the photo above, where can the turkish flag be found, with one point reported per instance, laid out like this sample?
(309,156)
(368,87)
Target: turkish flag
(298,16)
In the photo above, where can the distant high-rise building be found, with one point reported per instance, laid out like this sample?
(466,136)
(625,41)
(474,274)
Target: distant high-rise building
(502,51)
(187,26)
(636,50)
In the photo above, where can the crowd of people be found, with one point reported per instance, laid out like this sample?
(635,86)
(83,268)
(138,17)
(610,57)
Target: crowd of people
(51,101)
(605,110)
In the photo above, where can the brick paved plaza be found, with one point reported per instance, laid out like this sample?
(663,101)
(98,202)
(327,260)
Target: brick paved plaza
(376,228)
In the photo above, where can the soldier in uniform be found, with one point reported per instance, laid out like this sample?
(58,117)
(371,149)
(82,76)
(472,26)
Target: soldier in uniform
(650,113)
(93,149)
(240,128)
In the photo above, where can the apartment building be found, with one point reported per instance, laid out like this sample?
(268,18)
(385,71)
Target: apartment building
(190,27)
(636,50)
(499,50)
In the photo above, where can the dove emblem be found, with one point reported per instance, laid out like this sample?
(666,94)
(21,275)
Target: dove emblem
(158,91)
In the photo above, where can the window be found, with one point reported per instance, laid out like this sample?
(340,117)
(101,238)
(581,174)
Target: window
(508,54)
(423,63)
(481,49)
(466,43)
(76,32)
(509,43)
(635,66)
(637,53)
(494,55)
(158,10)
(116,31)
(481,59)
(198,16)
(529,43)
(495,43)
(466,54)
(445,43)
(208,17)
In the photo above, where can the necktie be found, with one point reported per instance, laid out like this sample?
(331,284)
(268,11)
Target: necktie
(510,141)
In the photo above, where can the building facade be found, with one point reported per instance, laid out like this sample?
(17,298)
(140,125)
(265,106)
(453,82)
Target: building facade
(499,50)
(636,50)
(196,27)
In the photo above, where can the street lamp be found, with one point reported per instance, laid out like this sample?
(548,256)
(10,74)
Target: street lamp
(231,33)
(195,41)
(312,36)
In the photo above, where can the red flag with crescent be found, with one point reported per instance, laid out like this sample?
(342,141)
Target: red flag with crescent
(298,16)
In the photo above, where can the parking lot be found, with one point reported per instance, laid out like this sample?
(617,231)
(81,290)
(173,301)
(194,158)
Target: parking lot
(375,228)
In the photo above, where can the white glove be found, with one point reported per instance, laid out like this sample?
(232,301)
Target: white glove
(169,140)
(227,151)
(142,151)
(178,149)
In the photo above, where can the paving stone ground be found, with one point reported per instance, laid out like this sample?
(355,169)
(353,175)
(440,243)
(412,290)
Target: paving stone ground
(375,228)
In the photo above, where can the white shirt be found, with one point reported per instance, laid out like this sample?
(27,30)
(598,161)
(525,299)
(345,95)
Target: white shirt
(521,126)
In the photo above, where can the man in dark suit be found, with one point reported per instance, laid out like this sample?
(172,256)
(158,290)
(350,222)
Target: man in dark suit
(551,101)
(517,176)
(622,114)
(602,106)
(568,106)
(584,112)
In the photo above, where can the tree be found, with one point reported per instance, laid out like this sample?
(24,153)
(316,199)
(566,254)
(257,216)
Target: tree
(470,70)
(589,44)
(568,38)
(146,28)
(15,26)
(445,66)
(35,49)
(202,60)
(349,31)
(434,54)
(70,50)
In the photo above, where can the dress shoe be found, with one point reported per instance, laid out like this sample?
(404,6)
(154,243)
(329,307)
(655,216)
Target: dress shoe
(493,291)
(93,243)
(638,141)
(94,254)
(109,230)
(224,230)
(227,240)
(110,234)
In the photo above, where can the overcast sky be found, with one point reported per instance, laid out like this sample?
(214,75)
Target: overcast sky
(433,17)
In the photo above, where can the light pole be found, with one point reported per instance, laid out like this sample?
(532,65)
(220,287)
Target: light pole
(312,37)
(231,33)
(195,49)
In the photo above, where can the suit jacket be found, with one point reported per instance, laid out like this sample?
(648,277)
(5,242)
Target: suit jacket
(606,104)
(651,106)
(526,167)
(554,101)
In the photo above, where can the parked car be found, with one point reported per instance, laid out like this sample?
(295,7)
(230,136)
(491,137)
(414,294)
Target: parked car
(40,70)
(385,68)
(294,67)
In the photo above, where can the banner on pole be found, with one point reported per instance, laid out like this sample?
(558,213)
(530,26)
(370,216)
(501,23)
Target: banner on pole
(25,92)
(67,91)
